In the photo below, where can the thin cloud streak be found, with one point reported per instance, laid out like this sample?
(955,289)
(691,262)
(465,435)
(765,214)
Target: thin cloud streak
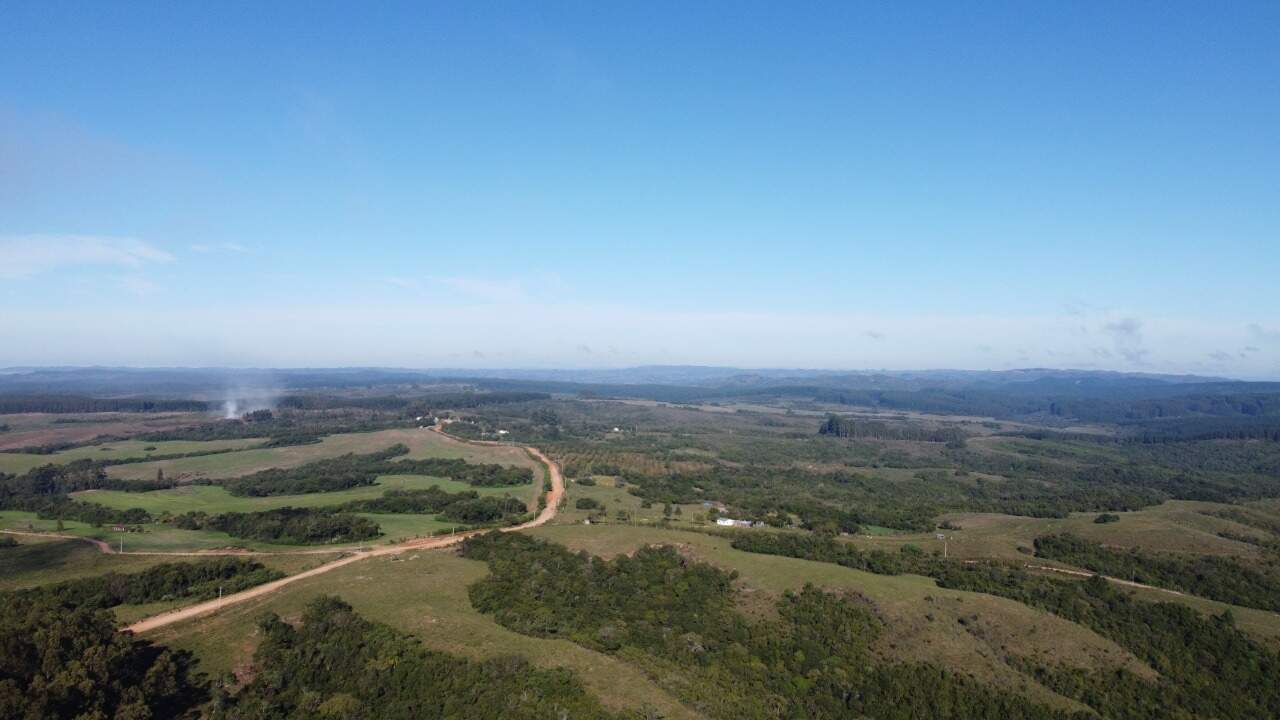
(27,255)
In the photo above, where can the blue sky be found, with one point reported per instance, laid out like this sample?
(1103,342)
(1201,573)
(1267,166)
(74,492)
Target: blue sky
(845,185)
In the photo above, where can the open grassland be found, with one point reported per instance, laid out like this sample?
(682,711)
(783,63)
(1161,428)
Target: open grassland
(422,444)
(1173,526)
(17,463)
(424,594)
(44,560)
(970,633)
(214,499)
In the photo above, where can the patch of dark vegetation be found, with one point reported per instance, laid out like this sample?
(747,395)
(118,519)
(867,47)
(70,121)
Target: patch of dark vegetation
(678,616)
(1229,580)
(856,428)
(170,581)
(60,660)
(19,403)
(465,507)
(337,664)
(328,475)
(287,525)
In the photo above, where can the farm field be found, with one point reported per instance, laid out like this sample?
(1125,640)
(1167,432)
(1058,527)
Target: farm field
(214,499)
(421,443)
(124,450)
(37,429)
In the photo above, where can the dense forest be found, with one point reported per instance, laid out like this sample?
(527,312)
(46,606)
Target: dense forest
(61,660)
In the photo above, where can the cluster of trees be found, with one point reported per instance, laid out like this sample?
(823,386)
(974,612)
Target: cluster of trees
(60,660)
(287,525)
(340,665)
(45,491)
(168,581)
(814,660)
(1227,579)
(1208,667)
(465,507)
(476,474)
(847,427)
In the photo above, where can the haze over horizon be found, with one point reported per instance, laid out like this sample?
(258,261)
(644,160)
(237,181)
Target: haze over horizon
(545,187)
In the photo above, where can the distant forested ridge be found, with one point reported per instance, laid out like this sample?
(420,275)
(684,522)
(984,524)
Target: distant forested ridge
(83,404)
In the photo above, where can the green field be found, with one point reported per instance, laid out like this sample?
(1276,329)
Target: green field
(421,443)
(214,499)
(124,450)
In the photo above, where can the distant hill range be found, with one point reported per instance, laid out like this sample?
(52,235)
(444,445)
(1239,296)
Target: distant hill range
(1144,402)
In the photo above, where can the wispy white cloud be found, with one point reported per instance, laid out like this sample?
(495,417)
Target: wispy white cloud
(483,289)
(27,255)
(227,247)
(404,282)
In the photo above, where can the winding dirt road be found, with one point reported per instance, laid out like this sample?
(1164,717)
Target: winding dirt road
(554,497)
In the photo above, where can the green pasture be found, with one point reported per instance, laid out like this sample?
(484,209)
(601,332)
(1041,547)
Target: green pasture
(124,450)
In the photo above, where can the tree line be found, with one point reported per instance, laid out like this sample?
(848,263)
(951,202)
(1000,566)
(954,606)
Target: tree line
(168,581)
(286,525)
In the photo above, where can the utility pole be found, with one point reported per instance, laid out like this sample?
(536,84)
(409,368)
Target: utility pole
(121,543)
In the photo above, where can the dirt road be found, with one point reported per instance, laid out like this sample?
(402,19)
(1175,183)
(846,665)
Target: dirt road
(1116,580)
(544,516)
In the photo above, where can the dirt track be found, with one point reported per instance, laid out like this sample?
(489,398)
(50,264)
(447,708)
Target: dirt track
(210,606)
